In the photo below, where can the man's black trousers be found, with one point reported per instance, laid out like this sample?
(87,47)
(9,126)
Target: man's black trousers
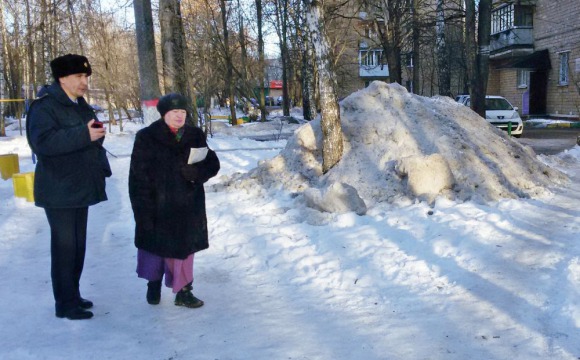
(68,231)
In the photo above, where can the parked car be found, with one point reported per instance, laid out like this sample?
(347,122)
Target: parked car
(279,100)
(502,114)
(269,101)
(97,108)
(461,98)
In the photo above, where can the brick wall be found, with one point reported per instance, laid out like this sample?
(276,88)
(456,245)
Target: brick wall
(493,82)
(557,28)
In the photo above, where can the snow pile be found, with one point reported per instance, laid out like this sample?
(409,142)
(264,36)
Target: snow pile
(399,147)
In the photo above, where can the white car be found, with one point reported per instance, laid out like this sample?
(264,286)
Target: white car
(499,112)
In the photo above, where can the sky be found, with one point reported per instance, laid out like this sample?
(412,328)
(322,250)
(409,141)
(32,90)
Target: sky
(124,13)
(467,247)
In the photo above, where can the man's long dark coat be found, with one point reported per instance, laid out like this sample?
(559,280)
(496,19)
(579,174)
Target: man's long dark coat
(167,195)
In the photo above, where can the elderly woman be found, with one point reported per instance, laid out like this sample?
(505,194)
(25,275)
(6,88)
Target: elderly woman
(168,200)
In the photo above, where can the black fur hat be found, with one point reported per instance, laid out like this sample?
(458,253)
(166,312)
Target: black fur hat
(70,64)
(170,102)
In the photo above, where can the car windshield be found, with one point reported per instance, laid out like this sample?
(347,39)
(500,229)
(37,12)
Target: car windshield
(497,104)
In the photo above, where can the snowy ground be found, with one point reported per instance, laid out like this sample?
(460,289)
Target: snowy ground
(410,279)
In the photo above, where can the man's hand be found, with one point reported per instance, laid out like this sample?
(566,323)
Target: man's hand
(95,132)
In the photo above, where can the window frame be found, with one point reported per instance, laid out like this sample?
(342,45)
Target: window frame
(523,78)
(502,18)
(371,58)
(563,68)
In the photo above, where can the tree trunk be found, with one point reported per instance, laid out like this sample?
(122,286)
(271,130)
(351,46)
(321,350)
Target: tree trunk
(148,76)
(416,48)
(482,62)
(229,65)
(173,47)
(284,56)
(470,43)
(332,146)
(261,62)
(30,48)
(74,28)
(444,81)
(390,38)
(308,87)
(2,70)
(243,49)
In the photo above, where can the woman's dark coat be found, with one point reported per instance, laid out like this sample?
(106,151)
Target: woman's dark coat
(71,168)
(166,194)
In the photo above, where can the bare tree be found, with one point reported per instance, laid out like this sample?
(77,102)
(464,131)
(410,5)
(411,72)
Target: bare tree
(3,70)
(416,47)
(332,146)
(149,81)
(390,29)
(482,59)
(282,28)
(200,22)
(442,48)
(228,60)
(470,41)
(261,63)
(308,83)
(173,47)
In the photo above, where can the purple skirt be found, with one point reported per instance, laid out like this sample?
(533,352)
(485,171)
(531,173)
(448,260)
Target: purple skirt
(178,273)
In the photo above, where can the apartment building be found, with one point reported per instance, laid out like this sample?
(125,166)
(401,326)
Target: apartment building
(370,57)
(535,56)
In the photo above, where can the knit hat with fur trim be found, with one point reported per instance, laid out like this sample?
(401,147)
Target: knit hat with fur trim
(70,64)
(170,102)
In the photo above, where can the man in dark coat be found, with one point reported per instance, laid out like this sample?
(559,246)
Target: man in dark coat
(168,200)
(70,175)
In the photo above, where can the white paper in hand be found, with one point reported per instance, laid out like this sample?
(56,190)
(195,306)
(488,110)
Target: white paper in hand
(196,155)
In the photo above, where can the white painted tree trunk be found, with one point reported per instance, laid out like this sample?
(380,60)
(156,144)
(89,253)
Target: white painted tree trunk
(148,80)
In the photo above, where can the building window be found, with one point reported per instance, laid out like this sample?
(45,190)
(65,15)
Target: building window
(524,16)
(563,69)
(523,79)
(371,58)
(502,19)
(371,34)
(408,59)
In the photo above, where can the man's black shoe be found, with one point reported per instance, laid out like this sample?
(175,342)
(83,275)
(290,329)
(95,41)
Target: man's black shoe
(85,304)
(76,313)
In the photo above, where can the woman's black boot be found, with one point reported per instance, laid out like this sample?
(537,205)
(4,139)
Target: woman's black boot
(154,292)
(185,298)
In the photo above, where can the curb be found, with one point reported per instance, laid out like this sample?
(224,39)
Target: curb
(561,125)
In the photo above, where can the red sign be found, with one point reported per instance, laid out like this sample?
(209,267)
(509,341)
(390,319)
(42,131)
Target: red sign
(275,84)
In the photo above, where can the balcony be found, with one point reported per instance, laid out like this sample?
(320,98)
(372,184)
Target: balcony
(512,42)
(377,71)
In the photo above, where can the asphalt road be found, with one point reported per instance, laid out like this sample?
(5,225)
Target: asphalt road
(550,141)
